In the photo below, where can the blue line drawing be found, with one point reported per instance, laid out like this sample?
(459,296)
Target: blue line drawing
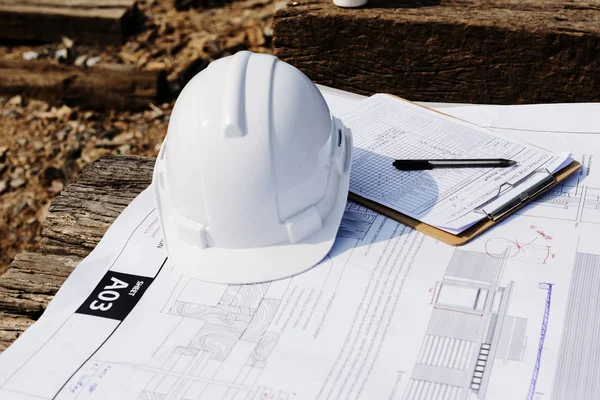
(536,369)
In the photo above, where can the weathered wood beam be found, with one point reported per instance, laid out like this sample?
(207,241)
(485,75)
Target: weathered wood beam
(11,327)
(77,220)
(32,280)
(95,21)
(97,87)
(187,4)
(472,51)
(74,3)
(27,288)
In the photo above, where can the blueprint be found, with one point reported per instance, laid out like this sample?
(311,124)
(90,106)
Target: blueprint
(388,314)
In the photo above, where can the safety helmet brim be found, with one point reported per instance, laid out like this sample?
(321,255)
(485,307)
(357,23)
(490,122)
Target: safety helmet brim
(261,264)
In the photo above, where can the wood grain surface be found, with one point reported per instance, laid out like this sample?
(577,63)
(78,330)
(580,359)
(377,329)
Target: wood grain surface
(103,87)
(77,220)
(93,21)
(471,51)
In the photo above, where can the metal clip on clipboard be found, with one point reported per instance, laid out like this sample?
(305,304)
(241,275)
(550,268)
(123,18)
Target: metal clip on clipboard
(495,209)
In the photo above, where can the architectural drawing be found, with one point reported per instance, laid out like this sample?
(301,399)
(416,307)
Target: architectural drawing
(231,335)
(571,201)
(591,206)
(562,202)
(530,250)
(236,331)
(356,222)
(535,247)
(468,329)
(577,375)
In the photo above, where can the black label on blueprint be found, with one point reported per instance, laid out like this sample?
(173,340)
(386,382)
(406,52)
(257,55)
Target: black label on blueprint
(115,296)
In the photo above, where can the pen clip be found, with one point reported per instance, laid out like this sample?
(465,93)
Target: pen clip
(515,201)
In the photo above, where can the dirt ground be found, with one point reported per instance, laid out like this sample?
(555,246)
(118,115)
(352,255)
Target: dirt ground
(44,146)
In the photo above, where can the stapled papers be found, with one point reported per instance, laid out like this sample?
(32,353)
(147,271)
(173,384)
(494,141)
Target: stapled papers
(385,128)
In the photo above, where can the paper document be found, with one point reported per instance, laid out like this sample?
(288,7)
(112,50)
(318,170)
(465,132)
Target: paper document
(561,119)
(389,314)
(385,128)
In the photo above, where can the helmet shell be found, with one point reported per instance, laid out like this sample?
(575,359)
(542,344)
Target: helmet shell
(252,160)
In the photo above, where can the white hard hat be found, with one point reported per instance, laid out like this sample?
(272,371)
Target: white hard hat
(252,178)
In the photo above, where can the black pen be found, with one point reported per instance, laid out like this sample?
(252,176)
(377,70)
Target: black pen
(414,165)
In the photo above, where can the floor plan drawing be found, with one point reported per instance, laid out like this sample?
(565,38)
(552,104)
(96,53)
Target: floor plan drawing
(468,329)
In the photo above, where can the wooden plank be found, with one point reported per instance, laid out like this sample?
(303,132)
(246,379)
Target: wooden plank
(79,216)
(187,4)
(472,51)
(74,3)
(27,288)
(50,11)
(11,327)
(77,220)
(32,280)
(98,88)
(37,273)
(46,20)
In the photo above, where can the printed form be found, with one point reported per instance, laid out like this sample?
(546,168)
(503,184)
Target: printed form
(385,128)
(389,314)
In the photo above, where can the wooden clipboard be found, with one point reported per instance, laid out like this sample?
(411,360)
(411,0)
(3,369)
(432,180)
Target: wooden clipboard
(472,232)
(475,230)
